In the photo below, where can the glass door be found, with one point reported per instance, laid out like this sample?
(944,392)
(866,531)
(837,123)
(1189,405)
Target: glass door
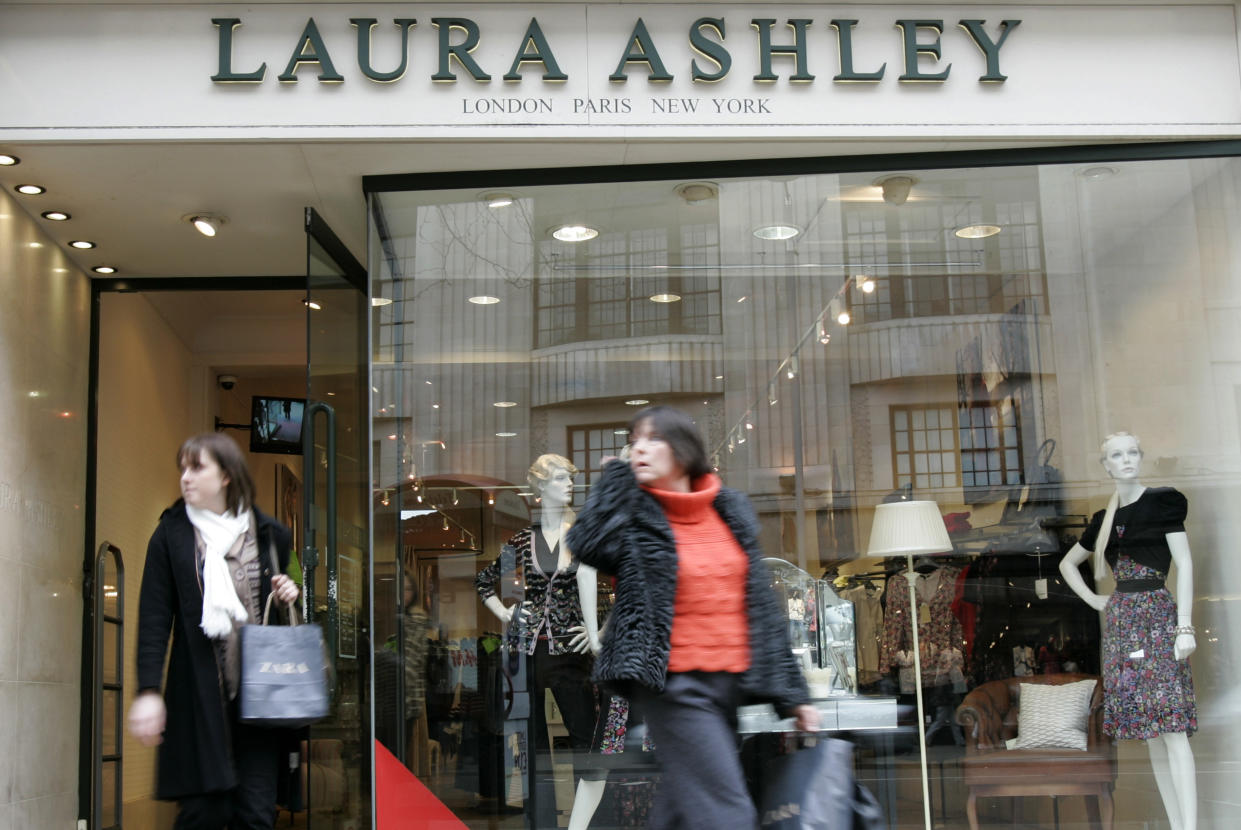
(335,552)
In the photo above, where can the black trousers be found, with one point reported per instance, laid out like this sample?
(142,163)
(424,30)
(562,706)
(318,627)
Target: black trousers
(567,677)
(694,724)
(251,805)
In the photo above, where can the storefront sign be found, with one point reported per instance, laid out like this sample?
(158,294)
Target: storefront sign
(618,70)
(921,49)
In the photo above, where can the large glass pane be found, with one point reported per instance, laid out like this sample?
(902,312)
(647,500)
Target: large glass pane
(970,346)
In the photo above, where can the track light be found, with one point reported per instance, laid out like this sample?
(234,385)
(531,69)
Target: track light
(208,224)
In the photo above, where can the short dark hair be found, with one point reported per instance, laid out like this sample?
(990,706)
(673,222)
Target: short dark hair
(681,434)
(239,492)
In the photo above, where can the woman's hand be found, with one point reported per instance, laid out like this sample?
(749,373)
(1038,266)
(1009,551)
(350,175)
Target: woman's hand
(807,718)
(146,718)
(285,589)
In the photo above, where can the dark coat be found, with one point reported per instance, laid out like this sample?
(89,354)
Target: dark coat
(622,530)
(196,756)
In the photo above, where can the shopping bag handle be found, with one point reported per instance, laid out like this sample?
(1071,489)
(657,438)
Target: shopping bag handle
(294,614)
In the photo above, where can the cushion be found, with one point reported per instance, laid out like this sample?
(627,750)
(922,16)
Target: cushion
(1054,716)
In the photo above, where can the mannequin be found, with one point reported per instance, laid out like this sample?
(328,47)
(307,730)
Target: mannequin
(1139,535)
(556,624)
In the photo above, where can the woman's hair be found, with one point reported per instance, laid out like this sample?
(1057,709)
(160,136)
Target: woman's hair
(239,492)
(680,432)
(544,467)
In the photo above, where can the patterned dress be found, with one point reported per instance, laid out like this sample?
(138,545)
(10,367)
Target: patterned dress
(1146,691)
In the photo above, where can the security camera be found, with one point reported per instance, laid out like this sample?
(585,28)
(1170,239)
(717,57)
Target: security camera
(226,382)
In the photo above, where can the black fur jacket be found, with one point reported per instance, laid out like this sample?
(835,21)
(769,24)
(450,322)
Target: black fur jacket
(622,531)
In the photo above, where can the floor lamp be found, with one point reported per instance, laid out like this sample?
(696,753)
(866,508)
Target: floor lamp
(909,529)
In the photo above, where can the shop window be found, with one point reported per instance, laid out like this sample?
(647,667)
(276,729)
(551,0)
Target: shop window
(600,297)
(973,446)
(589,444)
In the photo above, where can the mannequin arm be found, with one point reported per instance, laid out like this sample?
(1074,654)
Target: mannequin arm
(1178,544)
(588,594)
(1073,577)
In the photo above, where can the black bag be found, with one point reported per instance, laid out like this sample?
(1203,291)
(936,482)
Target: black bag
(284,673)
(811,787)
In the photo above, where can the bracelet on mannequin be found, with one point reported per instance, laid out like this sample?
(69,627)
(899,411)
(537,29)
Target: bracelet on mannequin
(1186,629)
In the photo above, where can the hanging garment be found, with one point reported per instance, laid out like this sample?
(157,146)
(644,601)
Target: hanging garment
(939,630)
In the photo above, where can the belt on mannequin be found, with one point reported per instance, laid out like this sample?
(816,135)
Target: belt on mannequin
(1137,586)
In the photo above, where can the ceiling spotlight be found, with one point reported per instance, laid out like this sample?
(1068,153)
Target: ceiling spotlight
(665,298)
(81,244)
(483,299)
(9,161)
(977,231)
(697,193)
(30,189)
(207,224)
(824,337)
(104,269)
(865,283)
(637,402)
(497,200)
(56,215)
(379,302)
(776,232)
(505,404)
(574,233)
(1094,174)
(896,188)
(843,318)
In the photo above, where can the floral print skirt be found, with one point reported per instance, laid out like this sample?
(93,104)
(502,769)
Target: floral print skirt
(1146,690)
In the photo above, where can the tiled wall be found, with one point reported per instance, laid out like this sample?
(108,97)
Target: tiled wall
(44,345)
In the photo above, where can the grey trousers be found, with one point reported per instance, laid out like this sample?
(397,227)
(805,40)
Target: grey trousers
(694,725)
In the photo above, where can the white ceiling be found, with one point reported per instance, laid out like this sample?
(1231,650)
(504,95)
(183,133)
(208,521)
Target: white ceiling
(130,198)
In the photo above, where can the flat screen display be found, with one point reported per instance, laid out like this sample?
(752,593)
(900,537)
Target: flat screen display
(276,424)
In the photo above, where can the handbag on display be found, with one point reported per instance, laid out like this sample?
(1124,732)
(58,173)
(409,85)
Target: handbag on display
(284,672)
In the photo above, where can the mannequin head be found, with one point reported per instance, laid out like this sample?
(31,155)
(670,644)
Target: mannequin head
(551,477)
(1121,456)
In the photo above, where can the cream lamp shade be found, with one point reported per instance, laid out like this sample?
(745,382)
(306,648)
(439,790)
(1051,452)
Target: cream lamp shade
(908,528)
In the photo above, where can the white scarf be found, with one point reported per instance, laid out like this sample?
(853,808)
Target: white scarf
(219,533)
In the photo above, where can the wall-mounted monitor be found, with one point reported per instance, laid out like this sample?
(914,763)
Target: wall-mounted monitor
(276,424)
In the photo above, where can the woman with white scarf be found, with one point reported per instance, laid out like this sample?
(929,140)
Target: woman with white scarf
(211,564)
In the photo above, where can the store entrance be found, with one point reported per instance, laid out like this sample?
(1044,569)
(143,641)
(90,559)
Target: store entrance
(186,357)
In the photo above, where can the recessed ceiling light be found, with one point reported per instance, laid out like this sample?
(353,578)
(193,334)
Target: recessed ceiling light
(1096,173)
(505,404)
(312,305)
(719,377)
(104,269)
(506,435)
(377,302)
(30,189)
(776,232)
(665,298)
(82,244)
(497,200)
(9,161)
(56,215)
(977,231)
(208,224)
(637,402)
(574,233)
(697,193)
(484,299)
(34,245)
(620,432)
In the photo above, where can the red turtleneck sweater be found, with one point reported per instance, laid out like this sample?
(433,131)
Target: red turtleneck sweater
(710,627)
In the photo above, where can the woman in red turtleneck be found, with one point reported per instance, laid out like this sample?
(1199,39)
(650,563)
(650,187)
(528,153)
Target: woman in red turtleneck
(696,629)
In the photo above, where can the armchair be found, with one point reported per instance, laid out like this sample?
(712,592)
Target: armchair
(989,717)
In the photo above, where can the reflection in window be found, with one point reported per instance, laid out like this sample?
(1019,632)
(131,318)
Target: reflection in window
(589,444)
(947,446)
